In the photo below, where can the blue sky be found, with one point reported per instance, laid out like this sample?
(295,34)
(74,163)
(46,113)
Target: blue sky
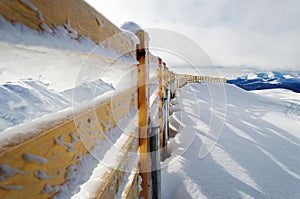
(261,33)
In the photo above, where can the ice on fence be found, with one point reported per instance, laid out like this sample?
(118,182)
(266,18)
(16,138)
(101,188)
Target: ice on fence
(29,5)
(28,157)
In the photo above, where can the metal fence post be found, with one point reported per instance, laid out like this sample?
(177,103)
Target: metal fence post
(155,159)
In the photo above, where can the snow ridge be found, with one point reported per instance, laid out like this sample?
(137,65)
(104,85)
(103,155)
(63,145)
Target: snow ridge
(28,99)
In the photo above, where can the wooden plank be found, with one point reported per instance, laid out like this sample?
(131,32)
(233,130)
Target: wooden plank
(133,192)
(114,177)
(165,76)
(160,76)
(165,131)
(143,79)
(131,189)
(77,13)
(54,151)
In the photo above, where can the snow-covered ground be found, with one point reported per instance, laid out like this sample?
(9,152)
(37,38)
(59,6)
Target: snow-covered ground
(255,156)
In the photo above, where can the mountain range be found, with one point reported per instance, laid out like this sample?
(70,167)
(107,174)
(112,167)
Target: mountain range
(268,80)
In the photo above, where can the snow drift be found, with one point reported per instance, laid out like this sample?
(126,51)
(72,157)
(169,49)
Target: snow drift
(27,99)
(256,155)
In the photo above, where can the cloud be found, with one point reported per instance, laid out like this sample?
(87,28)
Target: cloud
(262,33)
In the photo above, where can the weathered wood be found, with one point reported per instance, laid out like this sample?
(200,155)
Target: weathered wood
(143,78)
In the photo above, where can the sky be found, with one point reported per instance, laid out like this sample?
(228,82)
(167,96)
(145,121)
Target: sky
(256,33)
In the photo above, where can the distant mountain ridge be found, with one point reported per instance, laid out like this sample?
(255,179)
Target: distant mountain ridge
(269,80)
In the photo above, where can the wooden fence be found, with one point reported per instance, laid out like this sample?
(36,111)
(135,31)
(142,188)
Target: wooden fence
(38,163)
(183,79)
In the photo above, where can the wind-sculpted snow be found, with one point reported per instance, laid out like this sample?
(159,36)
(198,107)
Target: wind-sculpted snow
(270,80)
(256,155)
(28,99)
(87,91)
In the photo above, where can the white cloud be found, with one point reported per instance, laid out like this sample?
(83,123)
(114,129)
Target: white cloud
(263,33)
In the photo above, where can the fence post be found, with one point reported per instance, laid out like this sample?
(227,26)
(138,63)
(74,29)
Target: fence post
(160,93)
(143,78)
(165,104)
(155,159)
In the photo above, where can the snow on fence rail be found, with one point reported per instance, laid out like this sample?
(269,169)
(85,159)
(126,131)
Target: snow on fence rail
(99,151)
(43,165)
(76,17)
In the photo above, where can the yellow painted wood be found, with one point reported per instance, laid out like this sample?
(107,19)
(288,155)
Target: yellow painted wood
(160,93)
(57,149)
(143,78)
(114,177)
(165,76)
(81,16)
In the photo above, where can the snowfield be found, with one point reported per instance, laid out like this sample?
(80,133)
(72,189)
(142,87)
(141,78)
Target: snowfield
(255,156)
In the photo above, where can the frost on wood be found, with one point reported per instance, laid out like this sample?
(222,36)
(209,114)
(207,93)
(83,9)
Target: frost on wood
(74,138)
(7,172)
(28,157)
(40,16)
(59,141)
(71,147)
(46,28)
(100,22)
(11,187)
(73,33)
(28,4)
(42,174)
(48,189)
